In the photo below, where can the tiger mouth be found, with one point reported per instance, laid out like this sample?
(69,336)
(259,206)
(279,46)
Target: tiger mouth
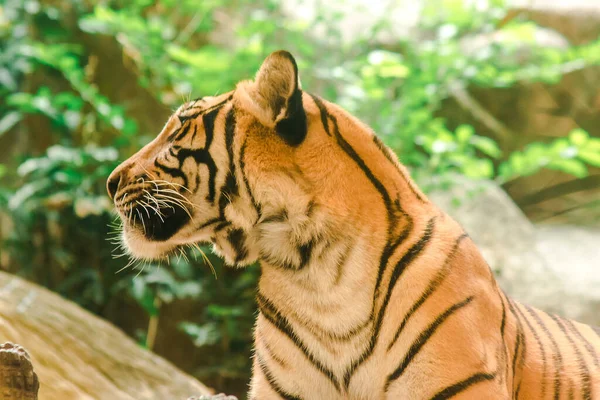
(158,223)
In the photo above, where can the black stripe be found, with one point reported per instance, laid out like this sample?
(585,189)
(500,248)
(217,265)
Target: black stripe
(400,267)
(257,206)
(271,353)
(274,261)
(222,225)
(384,149)
(194,135)
(349,150)
(502,333)
(323,112)
(408,257)
(422,339)
(184,118)
(341,262)
(171,137)
(273,382)
(208,223)
(387,154)
(237,239)
(184,130)
(461,386)
(200,156)
(229,135)
(305,251)
(588,346)
(584,371)
(433,285)
(542,351)
(389,249)
(321,333)
(556,355)
(230,187)
(571,393)
(279,321)
(208,120)
(174,172)
(520,343)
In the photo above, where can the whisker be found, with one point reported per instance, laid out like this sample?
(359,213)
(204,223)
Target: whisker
(150,197)
(141,270)
(172,191)
(131,261)
(205,258)
(144,207)
(156,210)
(185,257)
(175,202)
(141,219)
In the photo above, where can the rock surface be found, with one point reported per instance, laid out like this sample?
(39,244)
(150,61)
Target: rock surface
(78,356)
(573,254)
(18,381)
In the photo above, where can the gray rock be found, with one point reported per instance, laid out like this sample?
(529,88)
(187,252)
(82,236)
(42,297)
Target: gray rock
(573,254)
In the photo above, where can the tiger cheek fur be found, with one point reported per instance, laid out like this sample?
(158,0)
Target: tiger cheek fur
(367,290)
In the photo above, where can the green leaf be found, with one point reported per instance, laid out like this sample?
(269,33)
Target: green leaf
(27,191)
(202,335)
(34,164)
(590,157)
(144,296)
(464,133)
(479,169)
(578,137)
(394,71)
(487,146)
(9,120)
(570,166)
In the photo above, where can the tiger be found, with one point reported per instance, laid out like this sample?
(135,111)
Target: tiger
(367,290)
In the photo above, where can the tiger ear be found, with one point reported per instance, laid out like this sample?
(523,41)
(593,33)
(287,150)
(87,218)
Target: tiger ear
(275,97)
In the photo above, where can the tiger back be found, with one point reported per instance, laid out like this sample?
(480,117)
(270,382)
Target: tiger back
(367,289)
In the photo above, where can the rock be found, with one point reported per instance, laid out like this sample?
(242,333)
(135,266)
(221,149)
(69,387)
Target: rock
(573,254)
(18,381)
(79,356)
(546,267)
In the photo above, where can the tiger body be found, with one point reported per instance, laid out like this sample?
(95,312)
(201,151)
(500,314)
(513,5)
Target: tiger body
(367,289)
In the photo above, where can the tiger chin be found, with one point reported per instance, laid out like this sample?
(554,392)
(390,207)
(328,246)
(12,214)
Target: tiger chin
(367,289)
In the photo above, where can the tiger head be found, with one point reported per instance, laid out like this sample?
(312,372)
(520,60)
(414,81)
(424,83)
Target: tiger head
(263,172)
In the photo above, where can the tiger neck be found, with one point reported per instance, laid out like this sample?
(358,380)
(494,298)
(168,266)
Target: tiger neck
(324,281)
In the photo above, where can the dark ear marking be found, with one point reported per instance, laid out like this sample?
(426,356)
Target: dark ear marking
(275,97)
(293,127)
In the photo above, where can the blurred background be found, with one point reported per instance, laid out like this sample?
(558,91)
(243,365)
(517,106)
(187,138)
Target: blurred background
(494,106)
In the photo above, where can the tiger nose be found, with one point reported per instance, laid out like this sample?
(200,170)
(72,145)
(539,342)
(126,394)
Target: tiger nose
(112,184)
